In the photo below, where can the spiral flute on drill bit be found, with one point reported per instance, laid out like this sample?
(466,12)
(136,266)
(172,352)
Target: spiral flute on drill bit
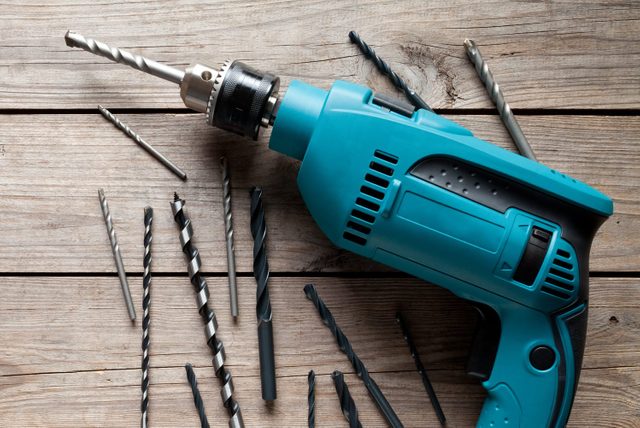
(197,398)
(348,406)
(146,303)
(345,346)
(263,306)
(311,399)
(207,314)
(228,234)
(385,69)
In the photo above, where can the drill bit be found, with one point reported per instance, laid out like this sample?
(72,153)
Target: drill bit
(359,367)
(135,137)
(115,248)
(146,301)
(495,93)
(420,367)
(384,68)
(75,40)
(207,314)
(263,306)
(348,406)
(197,398)
(311,399)
(228,233)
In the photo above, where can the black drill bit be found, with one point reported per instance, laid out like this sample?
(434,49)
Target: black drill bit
(423,372)
(384,68)
(311,399)
(362,372)
(348,406)
(197,398)
(263,303)
(146,302)
(207,314)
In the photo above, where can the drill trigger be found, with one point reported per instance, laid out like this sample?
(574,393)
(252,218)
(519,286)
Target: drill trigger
(485,342)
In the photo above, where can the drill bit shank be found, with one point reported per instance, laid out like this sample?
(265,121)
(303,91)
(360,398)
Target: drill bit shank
(115,248)
(348,406)
(263,307)
(207,314)
(146,302)
(495,93)
(228,233)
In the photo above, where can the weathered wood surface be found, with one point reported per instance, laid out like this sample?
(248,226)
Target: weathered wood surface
(52,166)
(74,353)
(570,54)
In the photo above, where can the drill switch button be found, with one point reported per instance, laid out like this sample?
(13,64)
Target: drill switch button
(542,357)
(533,256)
(395,105)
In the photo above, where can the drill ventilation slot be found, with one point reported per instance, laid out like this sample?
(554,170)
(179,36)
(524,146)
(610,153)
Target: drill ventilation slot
(371,195)
(560,280)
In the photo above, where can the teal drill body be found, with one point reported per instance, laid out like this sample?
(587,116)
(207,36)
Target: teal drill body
(420,193)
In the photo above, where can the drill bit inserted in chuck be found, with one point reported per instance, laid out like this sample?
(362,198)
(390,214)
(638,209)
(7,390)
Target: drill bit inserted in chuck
(263,307)
(348,406)
(207,314)
(235,96)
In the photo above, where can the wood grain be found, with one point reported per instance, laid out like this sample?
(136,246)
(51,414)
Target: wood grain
(52,166)
(74,353)
(570,54)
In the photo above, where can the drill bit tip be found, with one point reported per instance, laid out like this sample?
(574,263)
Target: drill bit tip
(176,198)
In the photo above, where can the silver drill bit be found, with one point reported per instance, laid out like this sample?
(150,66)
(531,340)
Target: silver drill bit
(148,147)
(228,233)
(498,99)
(146,302)
(138,62)
(116,255)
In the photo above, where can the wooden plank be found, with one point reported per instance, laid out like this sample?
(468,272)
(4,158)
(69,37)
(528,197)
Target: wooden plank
(570,54)
(72,357)
(87,327)
(52,166)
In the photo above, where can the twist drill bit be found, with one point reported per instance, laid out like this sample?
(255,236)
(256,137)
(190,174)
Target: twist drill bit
(115,248)
(384,68)
(348,406)
(495,93)
(420,367)
(263,306)
(197,398)
(207,314)
(311,399)
(359,367)
(228,233)
(138,62)
(135,137)
(146,302)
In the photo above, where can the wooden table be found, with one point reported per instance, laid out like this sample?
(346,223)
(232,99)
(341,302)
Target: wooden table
(69,355)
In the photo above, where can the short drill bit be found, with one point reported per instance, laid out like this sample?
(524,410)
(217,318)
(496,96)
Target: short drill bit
(228,233)
(207,314)
(135,137)
(384,68)
(197,398)
(311,399)
(359,367)
(138,62)
(420,367)
(146,302)
(498,99)
(115,248)
(263,307)
(348,406)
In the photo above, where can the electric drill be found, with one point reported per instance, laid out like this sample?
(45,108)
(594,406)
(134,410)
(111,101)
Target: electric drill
(417,192)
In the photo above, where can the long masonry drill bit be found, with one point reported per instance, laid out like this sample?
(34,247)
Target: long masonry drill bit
(148,147)
(311,399)
(420,367)
(228,234)
(207,314)
(348,406)
(384,68)
(495,93)
(115,248)
(146,318)
(263,303)
(359,367)
(138,62)
(197,398)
